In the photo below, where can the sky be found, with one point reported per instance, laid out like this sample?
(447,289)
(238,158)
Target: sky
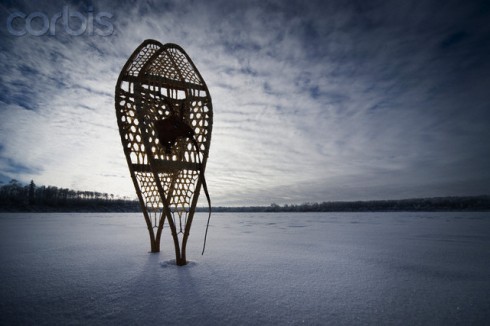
(313,100)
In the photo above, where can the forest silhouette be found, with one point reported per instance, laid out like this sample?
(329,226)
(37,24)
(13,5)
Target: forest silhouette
(17,197)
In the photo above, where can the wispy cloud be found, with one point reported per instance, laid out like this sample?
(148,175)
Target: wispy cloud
(313,101)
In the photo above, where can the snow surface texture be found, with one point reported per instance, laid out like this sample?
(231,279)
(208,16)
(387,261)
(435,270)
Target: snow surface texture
(313,269)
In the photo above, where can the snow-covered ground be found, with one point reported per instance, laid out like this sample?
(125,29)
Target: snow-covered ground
(313,269)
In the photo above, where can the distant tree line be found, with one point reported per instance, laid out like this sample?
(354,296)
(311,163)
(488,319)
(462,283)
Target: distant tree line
(15,196)
(471,203)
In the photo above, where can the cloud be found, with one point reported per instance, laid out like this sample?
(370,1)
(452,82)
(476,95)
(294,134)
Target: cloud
(313,101)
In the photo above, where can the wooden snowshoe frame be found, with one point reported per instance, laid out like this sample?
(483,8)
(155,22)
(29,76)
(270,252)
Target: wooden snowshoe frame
(157,82)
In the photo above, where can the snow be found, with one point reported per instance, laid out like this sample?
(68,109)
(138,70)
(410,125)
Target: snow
(275,268)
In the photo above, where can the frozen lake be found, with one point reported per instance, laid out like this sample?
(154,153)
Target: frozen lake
(275,268)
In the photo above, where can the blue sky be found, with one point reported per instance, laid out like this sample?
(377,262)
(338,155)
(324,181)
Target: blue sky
(313,101)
